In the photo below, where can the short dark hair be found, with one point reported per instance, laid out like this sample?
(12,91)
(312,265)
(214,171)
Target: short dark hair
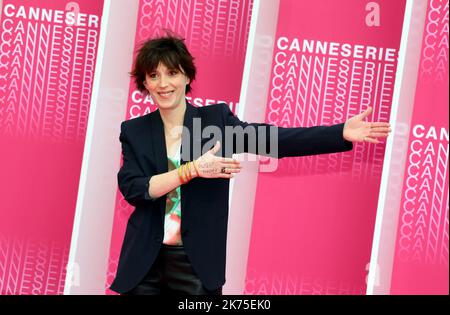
(169,50)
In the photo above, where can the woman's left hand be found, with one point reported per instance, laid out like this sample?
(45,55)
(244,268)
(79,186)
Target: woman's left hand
(358,130)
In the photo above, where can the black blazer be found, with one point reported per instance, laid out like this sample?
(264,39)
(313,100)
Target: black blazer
(204,202)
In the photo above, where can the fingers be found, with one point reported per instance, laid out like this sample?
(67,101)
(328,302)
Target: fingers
(220,159)
(227,173)
(371,140)
(232,169)
(380,129)
(379,134)
(234,165)
(230,163)
(216,169)
(380,124)
(367,112)
(216,148)
(224,175)
(226,160)
(217,164)
(212,166)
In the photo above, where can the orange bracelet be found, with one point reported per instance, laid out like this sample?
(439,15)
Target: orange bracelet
(186,172)
(183,177)
(186,179)
(188,169)
(180,175)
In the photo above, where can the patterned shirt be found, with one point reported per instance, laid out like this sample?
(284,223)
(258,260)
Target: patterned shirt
(172,219)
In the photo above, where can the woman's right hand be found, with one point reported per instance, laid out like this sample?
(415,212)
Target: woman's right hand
(212,166)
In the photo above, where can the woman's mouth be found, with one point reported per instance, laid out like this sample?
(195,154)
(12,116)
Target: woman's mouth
(165,94)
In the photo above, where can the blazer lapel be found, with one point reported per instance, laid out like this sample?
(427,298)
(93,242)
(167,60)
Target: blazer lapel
(186,155)
(188,138)
(159,143)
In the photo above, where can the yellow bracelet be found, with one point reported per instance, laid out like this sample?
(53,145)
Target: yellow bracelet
(183,171)
(188,169)
(180,174)
(186,173)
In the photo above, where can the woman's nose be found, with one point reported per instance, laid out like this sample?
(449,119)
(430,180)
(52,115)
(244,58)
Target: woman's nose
(163,81)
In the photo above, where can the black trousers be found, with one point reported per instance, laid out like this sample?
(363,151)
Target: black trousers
(171,273)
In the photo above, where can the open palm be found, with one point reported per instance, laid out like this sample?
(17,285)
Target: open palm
(358,130)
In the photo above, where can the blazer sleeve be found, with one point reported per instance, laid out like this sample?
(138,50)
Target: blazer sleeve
(133,183)
(297,141)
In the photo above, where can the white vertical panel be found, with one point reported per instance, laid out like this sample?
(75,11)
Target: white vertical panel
(89,251)
(383,246)
(252,108)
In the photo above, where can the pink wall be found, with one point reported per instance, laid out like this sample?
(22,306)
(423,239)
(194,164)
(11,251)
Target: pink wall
(46,77)
(421,250)
(314,217)
(216,35)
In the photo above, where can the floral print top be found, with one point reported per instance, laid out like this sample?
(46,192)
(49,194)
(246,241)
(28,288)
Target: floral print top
(172,219)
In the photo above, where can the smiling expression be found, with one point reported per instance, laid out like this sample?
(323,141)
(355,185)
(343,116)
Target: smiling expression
(167,86)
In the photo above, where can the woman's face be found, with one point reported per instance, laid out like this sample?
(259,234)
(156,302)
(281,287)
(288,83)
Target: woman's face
(166,86)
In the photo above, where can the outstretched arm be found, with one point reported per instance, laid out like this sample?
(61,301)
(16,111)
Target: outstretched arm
(301,141)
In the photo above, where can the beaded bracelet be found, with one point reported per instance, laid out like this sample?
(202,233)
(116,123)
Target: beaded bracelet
(187,169)
(180,174)
(185,172)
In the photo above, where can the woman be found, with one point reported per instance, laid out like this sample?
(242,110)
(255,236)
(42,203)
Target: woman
(175,241)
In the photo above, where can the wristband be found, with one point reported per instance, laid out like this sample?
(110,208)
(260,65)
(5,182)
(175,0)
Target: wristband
(180,175)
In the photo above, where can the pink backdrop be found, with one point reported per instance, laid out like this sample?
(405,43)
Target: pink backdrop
(216,35)
(46,76)
(314,217)
(421,252)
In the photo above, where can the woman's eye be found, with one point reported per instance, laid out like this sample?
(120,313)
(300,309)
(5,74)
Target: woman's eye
(153,75)
(173,72)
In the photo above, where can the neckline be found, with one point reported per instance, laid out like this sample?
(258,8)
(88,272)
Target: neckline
(176,155)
